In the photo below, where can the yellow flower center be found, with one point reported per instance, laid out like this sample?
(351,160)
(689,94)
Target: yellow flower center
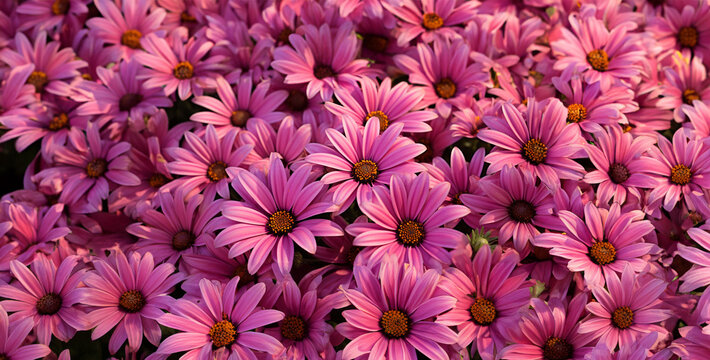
(60,7)
(432,21)
(622,317)
(384,121)
(132,39)
(365,171)
(576,113)
(410,233)
(395,324)
(186,17)
(183,70)
(281,222)
(535,151)
(598,59)
(602,253)
(293,328)
(39,80)
(483,312)
(688,36)
(223,333)
(681,174)
(59,122)
(131,301)
(217,171)
(689,95)
(445,88)
(96,168)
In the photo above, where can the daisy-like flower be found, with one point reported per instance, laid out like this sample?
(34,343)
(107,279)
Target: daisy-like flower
(488,298)
(408,222)
(181,225)
(276,212)
(550,331)
(49,15)
(684,82)
(122,29)
(684,28)
(469,120)
(236,109)
(363,158)
(323,60)
(12,336)
(47,294)
(605,241)
(602,55)
(204,163)
(16,94)
(128,294)
(429,19)
(176,66)
(588,106)
(699,274)
(513,203)
(391,315)
(221,325)
(401,103)
(627,310)
(288,142)
(619,172)
(33,229)
(88,165)
(538,141)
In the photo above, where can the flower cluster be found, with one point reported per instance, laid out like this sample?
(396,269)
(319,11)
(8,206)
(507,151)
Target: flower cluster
(356,179)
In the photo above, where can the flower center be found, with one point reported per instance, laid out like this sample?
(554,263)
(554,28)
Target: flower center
(618,173)
(183,240)
(49,304)
(217,171)
(384,121)
(132,39)
(557,349)
(680,174)
(576,113)
(223,333)
(183,70)
(131,301)
(239,117)
(395,324)
(689,95)
(521,211)
(352,253)
(602,253)
(410,233)
(297,101)
(281,222)
(445,88)
(483,312)
(283,35)
(688,36)
(244,276)
(186,17)
(432,21)
(128,101)
(598,59)
(622,317)
(456,199)
(157,180)
(96,168)
(375,43)
(59,122)
(323,71)
(38,79)
(60,7)
(365,171)
(535,151)
(293,328)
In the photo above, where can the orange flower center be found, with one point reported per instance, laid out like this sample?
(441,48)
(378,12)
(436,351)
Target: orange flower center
(535,151)
(131,301)
(689,95)
(598,59)
(688,36)
(445,88)
(59,122)
(239,117)
(483,312)
(132,39)
(384,122)
(681,174)
(217,171)
(183,70)
(96,168)
(281,222)
(365,171)
(622,317)
(223,333)
(395,324)
(576,113)
(602,253)
(432,21)
(410,233)
(60,7)
(39,80)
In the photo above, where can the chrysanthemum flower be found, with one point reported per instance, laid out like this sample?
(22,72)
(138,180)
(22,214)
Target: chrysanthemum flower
(684,28)
(684,82)
(699,274)
(363,158)
(221,325)
(605,241)
(276,212)
(12,336)
(391,315)
(429,19)
(588,106)
(47,295)
(33,229)
(128,294)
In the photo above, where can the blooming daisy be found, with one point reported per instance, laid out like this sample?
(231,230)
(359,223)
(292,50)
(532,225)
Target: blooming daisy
(684,82)
(429,19)
(699,274)
(288,142)
(588,106)
(685,28)
(12,336)
(34,229)
(49,15)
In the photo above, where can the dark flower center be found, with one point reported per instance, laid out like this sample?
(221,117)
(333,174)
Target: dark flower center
(323,71)
(283,36)
(217,171)
(445,88)
(132,39)
(49,304)
(296,101)
(157,180)
(598,59)
(239,117)
(535,151)
(244,276)
(183,240)
(60,7)
(622,317)
(293,328)
(688,36)
(602,253)
(39,80)
(521,211)
(128,101)
(364,171)
(483,312)
(428,154)
(541,253)
(618,173)
(281,222)
(681,174)
(375,43)
(432,21)
(384,121)
(656,3)
(352,253)
(576,113)
(456,199)
(131,301)
(689,95)
(223,333)
(557,349)
(96,168)
(410,233)
(395,324)
(59,122)
(185,17)
(183,70)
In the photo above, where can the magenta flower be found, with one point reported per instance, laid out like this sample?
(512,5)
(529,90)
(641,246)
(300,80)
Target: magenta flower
(589,107)
(49,15)
(627,310)
(605,241)
(538,141)
(287,142)
(408,223)
(685,27)
(429,19)
(16,95)
(12,336)
(699,273)
(221,325)
(276,212)
(47,294)
(391,315)
(685,81)
(33,230)
(488,298)
(128,294)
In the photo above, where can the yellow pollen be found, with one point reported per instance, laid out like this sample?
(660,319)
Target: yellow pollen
(410,233)
(432,21)
(681,174)
(39,80)
(384,120)
(598,59)
(281,222)
(483,312)
(186,17)
(60,7)
(293,328)
(183,70)
(395,324)
(622,317)
(239,118)
(217,171)
(445,88)
(602,253)
(96,168)
(59,122)
(689,95)
(688,36)
(535,151)
(364,171)
(132,39)
(576,113)
(131,301)
(557,349)
(223,333)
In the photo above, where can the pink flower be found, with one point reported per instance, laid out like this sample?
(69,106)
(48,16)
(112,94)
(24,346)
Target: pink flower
(699,274)
(429,19)
(589,107)
(49,15)
(685,28)
(12,336)
(685,82)
(33,229)
(288,142)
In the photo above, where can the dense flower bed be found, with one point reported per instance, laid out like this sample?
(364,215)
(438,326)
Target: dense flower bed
(356,179)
